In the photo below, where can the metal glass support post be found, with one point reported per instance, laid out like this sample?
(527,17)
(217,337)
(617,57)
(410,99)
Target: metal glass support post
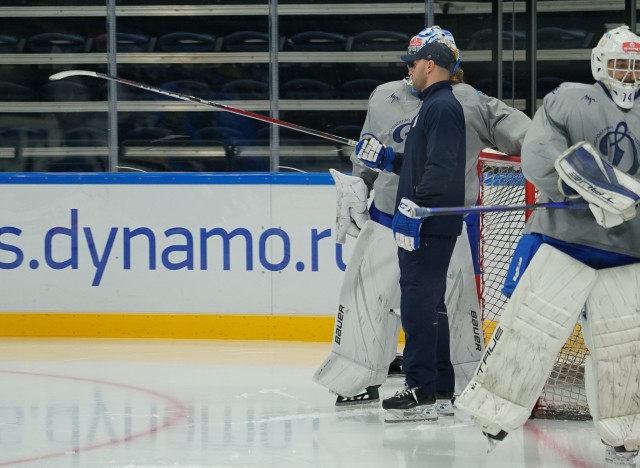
(113,90)
(274,94)
(531,52)
(496,48)
(428,17)
(631,12)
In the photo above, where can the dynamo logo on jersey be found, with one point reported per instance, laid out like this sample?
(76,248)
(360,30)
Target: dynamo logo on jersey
(620,146)
(400,133)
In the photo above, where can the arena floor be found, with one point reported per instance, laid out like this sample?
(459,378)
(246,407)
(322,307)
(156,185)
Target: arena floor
(196,404)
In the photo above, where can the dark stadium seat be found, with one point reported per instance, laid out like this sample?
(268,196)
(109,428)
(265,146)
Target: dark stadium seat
(246,41)
(56,43)
(65,90)
(317,41)
(125,42)
(86,136)
(23,136)
(305,88)
(560,38)
(346,131)
(15,92)
(195,88)
(245,89)
(10,44)
(380,40)
(358,89)
(482,39)
(220,134)
(186,42)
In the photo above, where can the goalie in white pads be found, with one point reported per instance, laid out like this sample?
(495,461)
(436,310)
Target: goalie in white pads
(587,258)
(367,326)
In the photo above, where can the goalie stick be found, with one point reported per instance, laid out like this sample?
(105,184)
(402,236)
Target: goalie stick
(422,212)
(224,107)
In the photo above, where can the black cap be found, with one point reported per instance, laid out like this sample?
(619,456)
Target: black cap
(440,53)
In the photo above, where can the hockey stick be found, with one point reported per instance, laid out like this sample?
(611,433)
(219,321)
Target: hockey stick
(224,107)
(423,212)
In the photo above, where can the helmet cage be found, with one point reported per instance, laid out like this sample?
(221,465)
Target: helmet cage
(615,62)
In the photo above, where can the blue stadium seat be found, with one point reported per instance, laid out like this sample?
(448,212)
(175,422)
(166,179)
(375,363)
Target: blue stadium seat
(86,136)
(10,44)
(245,89)
(246,41)
(186,42)
(380,40)
(560,38)
(317,41)
(125,42)
(220,134)
(195,88)
(56,43)
(358,89)
(482,39)
(23,136)
(14,92)
(304,88)
(66,90)
(145,135)
(346,131)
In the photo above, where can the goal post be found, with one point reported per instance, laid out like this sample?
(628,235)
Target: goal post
(502,183)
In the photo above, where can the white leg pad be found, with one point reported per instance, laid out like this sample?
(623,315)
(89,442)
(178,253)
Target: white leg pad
(534,326)
(366,327)
(611,331)
(463,309)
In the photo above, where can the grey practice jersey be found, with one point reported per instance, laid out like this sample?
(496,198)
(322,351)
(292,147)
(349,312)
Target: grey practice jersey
(392,107)
(573,113)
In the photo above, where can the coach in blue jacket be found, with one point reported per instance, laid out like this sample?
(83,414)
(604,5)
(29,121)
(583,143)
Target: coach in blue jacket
(432,175)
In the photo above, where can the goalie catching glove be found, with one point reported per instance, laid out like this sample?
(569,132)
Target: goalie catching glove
(406,226)
(372,153)
(612,194)
(351,205)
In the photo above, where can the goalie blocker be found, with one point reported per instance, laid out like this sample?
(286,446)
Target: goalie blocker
(613,195)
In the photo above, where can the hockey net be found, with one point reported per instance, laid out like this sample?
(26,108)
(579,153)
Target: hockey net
(502,183)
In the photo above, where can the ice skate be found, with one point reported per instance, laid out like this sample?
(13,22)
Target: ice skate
(410,405)
(618,456)
(370,395)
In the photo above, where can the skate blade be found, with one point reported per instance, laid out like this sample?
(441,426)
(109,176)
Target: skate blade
(399,416)
(343,404)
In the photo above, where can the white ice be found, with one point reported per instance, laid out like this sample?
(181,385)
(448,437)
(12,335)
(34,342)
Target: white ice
(196,404)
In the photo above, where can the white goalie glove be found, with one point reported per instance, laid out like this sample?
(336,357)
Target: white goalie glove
(612,194)
(351,205)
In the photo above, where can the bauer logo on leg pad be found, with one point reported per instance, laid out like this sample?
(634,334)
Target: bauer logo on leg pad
(339,321)
(476,330)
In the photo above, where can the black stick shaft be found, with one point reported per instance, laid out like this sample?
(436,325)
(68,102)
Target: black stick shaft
(224,107)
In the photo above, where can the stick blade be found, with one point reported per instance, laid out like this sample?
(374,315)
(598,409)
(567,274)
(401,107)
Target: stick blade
(68,73)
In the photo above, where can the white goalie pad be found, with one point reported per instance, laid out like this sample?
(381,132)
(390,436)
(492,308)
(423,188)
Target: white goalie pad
(366,327)
(366,330)
(611,330)
(612,194)
(463,309)
(351,205)
(534,326)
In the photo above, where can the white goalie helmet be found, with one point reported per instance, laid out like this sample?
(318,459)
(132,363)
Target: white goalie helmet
(434,34)
(615,62)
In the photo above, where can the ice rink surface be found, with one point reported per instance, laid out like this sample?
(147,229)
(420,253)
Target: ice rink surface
(196,404)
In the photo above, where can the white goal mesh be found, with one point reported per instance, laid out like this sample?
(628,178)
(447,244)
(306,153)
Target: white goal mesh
(502,183)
